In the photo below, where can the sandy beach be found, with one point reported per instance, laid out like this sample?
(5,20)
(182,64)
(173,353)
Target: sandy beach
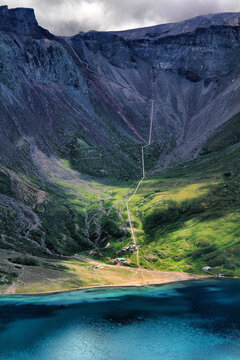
(81,276)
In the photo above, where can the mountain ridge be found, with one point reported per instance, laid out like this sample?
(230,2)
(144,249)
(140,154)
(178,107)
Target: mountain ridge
(27,16)
(185,26)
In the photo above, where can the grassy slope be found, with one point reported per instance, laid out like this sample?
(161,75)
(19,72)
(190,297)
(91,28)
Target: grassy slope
(185,218)
(189,217)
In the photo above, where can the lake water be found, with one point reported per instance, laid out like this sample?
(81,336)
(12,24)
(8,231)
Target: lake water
(181,321)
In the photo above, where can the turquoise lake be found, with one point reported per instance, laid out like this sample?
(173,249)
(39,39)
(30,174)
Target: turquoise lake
(180,321)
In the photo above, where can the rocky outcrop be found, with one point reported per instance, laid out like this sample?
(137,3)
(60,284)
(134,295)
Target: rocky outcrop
(21,21)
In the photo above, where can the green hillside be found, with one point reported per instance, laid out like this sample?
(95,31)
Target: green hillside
(189,217)
(185,218)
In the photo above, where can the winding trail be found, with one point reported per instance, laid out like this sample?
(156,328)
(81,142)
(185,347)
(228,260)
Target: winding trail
(140,182)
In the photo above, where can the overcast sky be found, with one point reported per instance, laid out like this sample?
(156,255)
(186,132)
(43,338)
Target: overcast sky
(68,17)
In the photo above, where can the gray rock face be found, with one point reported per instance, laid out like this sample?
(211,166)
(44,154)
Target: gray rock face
(96,87)
(19,20)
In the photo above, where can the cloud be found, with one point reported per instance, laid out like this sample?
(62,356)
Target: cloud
(68,17)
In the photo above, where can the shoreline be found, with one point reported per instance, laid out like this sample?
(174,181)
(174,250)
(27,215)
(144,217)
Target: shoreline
(46,293)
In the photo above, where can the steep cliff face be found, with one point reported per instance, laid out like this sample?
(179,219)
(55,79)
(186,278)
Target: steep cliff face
(87,100)
(98,85)
(21,21)
(191,76)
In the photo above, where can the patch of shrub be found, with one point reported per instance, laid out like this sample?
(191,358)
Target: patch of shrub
(24,261)
(5,184)
(202,242)
(113,229)
(6,277)
(58,267)
(216,260)
(196,254)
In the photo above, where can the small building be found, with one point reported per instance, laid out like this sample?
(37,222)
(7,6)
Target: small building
(130,248)
(206,268)
(118,261)
(96,267)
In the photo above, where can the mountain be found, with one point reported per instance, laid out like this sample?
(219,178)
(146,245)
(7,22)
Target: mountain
(75,113)
(182,27)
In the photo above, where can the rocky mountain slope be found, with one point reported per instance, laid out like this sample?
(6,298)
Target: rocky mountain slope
(75,112)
